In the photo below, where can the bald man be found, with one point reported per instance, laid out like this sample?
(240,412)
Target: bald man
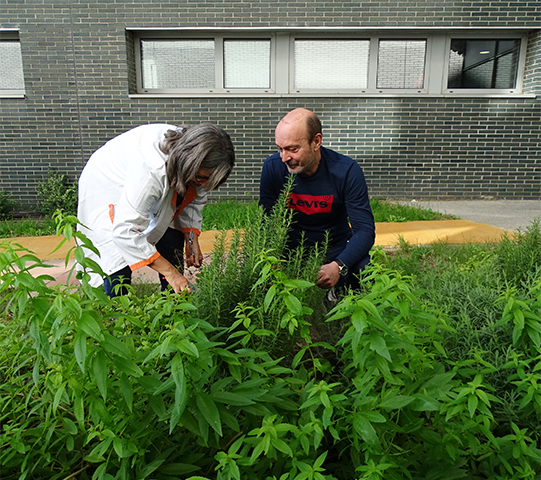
(329,194)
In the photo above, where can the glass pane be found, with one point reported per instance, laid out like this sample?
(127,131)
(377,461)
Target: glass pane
(483,63)
(331,64)
(11,66)
(178,64)
(401,63)
(247,63)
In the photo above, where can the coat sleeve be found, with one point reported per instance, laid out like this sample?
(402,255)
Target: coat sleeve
(131,217)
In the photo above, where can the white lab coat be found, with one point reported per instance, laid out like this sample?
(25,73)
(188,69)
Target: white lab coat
(126,204)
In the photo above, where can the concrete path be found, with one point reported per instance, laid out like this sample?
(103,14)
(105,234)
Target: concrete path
(505,214)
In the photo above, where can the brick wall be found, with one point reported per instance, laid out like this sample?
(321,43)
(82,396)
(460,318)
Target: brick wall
(77,76)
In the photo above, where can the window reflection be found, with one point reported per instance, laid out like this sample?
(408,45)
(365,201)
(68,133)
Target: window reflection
(483,63)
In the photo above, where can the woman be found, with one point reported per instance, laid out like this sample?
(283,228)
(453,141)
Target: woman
(141,196)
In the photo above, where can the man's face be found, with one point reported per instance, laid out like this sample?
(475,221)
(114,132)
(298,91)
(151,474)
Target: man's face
(300,155)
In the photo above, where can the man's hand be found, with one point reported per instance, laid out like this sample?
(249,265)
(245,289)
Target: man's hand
(194,257)
(328,275)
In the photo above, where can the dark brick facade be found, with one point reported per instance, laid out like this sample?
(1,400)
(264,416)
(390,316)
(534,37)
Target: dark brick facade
(78,68)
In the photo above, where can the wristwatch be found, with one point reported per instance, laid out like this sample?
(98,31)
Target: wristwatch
(342,268)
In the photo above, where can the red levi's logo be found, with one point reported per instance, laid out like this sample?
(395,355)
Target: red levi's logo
(310,204)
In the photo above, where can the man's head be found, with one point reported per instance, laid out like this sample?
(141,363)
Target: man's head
(298,138)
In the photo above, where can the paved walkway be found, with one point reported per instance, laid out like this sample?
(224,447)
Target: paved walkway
(387,234)
(506,214)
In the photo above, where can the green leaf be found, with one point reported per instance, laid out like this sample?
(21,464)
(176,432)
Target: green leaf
(374,417)
(293,304)
(118,446)
(188,347)
(79,348)
(177,372)
(269,297)
(100,370)
(365,429)
(69,426)
(397,402)
(181,394)
(151,467)
(129,367)
(79,410)
(113,345)
(126,390)
(377,343)
(58,395)
(210,412)
(298,283)
(229,398)
(88,324)
(473,401)
(281,446)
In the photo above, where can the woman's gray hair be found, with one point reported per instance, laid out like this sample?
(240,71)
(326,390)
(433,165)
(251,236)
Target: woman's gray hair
(198,146)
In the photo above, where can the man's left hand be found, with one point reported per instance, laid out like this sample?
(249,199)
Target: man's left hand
(328,275)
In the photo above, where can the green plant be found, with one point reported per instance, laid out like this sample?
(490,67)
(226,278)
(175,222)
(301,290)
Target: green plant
(161,387)
(7,205)
(27,227)
(57,192)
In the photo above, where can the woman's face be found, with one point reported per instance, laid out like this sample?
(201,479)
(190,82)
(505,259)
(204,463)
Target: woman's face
(200,179)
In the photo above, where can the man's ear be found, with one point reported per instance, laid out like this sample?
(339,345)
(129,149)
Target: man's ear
(317,141)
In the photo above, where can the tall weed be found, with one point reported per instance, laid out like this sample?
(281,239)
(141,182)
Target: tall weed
(233,276)
(519,254)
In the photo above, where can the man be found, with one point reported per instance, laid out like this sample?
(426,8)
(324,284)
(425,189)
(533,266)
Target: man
(329,194)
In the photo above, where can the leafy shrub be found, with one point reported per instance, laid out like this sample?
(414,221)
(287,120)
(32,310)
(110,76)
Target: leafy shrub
(7,205)
(57,192)
(152,388)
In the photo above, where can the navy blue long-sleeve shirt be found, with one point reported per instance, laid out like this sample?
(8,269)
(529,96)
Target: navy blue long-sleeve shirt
(331,199)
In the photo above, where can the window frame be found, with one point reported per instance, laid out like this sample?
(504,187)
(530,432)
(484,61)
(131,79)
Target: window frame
(12,35)
(523,37)
(436,68)
(219,65)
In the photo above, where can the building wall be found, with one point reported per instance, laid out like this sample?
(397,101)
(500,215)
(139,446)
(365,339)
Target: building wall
(76,64)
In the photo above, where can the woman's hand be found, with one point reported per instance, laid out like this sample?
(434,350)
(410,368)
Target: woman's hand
(194,257)
(177,281)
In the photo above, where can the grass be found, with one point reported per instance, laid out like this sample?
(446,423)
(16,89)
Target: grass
(27,227)
(228,214)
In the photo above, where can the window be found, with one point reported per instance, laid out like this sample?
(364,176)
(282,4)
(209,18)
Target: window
(331,64)
(247,64)
(401,63)
(379,62)
(11,65)
(483,63)
(206,65)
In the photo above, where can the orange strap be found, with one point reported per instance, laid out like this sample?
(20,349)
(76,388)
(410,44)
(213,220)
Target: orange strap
(189,197)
